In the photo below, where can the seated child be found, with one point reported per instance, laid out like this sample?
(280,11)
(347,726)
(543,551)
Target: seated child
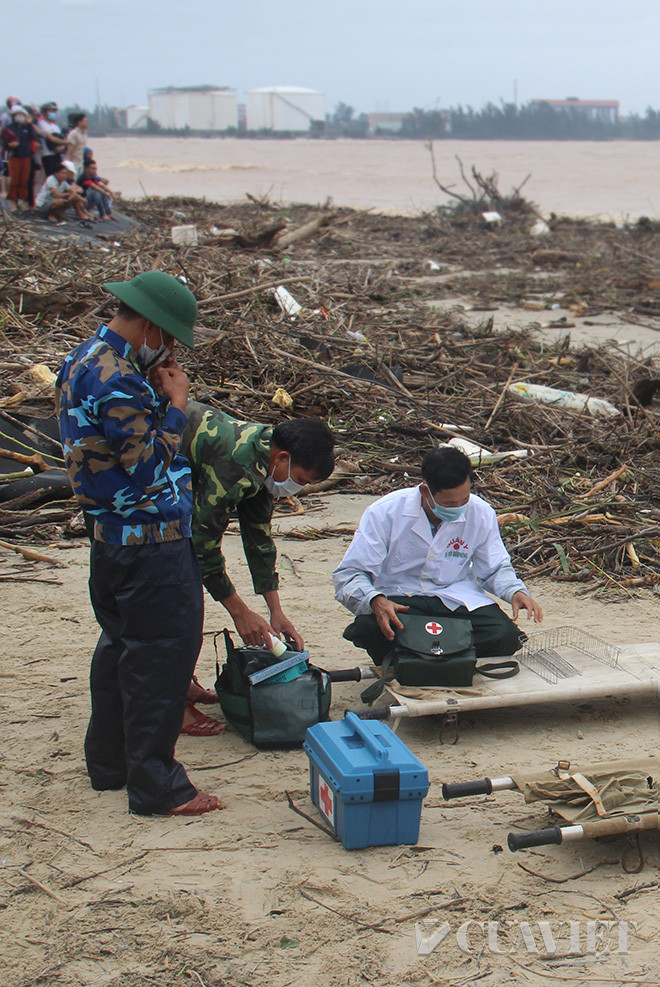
(59,193)
(97,193)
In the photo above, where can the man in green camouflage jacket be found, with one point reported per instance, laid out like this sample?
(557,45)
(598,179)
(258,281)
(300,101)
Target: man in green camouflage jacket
(241,467)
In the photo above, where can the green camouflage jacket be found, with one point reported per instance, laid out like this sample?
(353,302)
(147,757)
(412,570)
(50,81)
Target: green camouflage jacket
(229,463)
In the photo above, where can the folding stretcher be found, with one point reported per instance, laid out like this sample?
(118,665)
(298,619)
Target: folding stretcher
(601,799)
(557,666)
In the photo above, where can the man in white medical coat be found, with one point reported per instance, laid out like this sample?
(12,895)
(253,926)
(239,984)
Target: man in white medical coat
(434,550)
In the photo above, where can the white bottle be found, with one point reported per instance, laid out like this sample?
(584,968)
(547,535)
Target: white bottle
(277,647)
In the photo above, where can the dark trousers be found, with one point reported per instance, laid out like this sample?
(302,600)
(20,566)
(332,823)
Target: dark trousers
(148,601)
(495,634)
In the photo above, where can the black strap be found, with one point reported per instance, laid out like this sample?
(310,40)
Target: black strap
(372,692)
(498,669)
(229,645)
(490,670)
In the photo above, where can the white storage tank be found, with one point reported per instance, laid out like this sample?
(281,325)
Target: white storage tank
(277,108)
(136,117)
(196,107)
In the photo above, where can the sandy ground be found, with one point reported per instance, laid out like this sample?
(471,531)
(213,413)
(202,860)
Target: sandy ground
(549,326)
(256,894)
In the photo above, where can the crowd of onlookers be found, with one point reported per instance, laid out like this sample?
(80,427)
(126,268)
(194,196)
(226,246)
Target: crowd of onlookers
(50,168)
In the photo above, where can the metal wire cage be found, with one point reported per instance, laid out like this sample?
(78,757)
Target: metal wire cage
(542,655)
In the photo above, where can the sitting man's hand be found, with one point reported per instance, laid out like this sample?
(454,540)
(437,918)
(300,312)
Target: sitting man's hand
(386,615)
(521,601)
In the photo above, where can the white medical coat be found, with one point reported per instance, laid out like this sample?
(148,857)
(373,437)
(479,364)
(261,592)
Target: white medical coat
(396,553)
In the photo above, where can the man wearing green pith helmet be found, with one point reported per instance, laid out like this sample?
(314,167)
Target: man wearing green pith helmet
(122,399)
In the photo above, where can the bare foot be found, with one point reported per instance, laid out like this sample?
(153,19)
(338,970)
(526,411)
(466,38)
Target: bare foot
(197,806)
(198,694)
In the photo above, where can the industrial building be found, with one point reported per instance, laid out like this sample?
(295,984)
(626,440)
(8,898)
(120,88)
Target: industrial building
(384,123)
(285,108)
(135,117)
(602,110)
(208,108)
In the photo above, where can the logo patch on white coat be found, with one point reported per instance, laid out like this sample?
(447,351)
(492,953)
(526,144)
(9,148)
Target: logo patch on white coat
(457,549)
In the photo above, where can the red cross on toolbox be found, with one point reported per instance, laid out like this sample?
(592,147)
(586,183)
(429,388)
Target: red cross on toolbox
(326,801)
(365,782)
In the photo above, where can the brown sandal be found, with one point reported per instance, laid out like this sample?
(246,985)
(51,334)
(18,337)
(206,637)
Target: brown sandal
(203,725)
(197,806)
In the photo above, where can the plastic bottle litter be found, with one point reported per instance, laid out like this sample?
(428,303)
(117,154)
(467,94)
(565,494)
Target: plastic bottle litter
(456,428)
(185,236)
(286,301)
(479,456)
(540,228)
(433,266)
(539,393)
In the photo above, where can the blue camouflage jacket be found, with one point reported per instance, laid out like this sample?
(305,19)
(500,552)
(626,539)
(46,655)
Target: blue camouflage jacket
(121,443)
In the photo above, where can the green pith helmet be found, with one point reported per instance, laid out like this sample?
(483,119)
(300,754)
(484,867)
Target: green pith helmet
(163,300)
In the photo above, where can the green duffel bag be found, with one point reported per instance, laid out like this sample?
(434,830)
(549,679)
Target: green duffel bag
(432,651)
(269,714)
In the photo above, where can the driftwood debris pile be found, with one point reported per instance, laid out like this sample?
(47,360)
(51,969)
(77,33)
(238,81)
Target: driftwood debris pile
(379,347)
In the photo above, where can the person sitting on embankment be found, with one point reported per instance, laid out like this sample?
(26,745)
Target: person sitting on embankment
(59,193)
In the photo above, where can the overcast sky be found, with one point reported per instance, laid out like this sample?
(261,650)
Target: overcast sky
(373,54)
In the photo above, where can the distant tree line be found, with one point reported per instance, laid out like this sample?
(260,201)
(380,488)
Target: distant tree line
(506,121)
(346,122)
(531,121)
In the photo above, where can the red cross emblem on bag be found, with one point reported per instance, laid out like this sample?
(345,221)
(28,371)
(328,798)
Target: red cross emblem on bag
(433,628)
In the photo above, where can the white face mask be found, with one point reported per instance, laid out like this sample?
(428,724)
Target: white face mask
(150,357)
(447,513)
(19,118)
(282,488)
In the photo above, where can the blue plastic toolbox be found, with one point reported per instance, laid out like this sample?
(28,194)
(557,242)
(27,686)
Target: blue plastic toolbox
(365,782)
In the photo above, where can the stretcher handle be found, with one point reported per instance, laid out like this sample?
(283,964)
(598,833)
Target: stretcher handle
(538,837)
(372,743)
(345,674)
(462,788)
(373,713)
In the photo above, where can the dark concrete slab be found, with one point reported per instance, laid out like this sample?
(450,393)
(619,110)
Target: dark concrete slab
(82,231)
